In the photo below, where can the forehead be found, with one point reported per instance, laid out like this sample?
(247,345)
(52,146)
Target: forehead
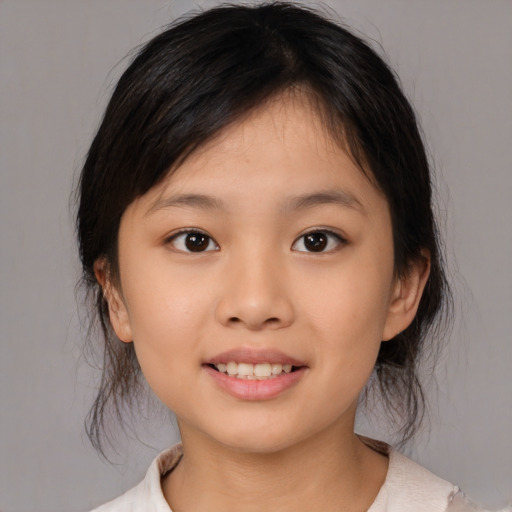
(279,152)
(287,130)
(290,118)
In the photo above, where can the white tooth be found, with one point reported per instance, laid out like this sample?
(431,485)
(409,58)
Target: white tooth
(258,371)
(245,369)
(263,370)
(232,368)
(277,369)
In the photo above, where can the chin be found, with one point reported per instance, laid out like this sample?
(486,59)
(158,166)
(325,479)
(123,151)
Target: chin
(263,440)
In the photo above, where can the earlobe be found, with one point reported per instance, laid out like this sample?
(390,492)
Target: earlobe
(406,297)
(118,313)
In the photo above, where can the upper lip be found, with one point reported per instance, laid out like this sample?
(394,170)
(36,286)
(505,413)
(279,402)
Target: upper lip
(254,356)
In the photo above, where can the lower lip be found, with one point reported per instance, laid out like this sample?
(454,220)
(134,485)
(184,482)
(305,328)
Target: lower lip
(255,389)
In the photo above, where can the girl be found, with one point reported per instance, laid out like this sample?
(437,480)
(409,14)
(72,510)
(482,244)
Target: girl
(255,221)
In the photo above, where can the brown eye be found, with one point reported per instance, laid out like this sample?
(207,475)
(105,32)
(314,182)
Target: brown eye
(315,242)
(196,242)
(193,241)
(318,241)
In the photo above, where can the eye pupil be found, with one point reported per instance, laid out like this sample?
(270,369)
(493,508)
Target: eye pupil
(196,242)
(315,242)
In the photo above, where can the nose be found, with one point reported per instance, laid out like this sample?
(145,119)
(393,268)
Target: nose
(255,294)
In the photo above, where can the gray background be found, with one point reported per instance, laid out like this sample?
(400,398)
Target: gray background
(58,60)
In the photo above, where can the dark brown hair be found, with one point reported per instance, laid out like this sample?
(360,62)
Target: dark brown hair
(207,71)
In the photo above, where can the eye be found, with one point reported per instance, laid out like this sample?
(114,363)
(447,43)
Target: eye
(193,241)
(318,241)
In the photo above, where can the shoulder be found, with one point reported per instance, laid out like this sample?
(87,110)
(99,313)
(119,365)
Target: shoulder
(126,502)
(149,491)
(409,486)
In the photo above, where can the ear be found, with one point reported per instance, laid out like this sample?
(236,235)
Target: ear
(117,310)
(406,297)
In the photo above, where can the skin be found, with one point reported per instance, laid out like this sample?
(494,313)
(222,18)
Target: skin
(258,286)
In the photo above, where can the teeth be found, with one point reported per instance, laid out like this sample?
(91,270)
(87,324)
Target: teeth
(260,371)
(231,367)
(245,369)
(277,369)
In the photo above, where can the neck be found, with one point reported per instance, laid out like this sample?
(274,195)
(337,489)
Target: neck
(331,472)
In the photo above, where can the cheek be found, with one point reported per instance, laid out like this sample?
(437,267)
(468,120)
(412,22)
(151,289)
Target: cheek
(347,315)
(167,315)
(161,298)
(355,299)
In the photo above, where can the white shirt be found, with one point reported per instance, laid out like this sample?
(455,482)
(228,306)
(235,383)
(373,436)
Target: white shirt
(408,488)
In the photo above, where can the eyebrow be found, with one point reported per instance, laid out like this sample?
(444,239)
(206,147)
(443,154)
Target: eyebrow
(301,202)
(336,197)
(187,200)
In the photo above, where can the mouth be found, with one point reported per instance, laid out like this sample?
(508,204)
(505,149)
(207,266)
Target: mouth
(255,375)
(258,371)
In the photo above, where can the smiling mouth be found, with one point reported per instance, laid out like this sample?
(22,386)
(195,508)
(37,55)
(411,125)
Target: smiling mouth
(259,371)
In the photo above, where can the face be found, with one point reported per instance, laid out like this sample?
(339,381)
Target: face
(257,283)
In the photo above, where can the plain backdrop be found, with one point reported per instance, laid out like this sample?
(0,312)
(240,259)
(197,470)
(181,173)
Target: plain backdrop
(58,62)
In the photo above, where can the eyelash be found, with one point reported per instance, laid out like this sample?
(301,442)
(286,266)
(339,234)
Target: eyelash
(328,234)
(184,233)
